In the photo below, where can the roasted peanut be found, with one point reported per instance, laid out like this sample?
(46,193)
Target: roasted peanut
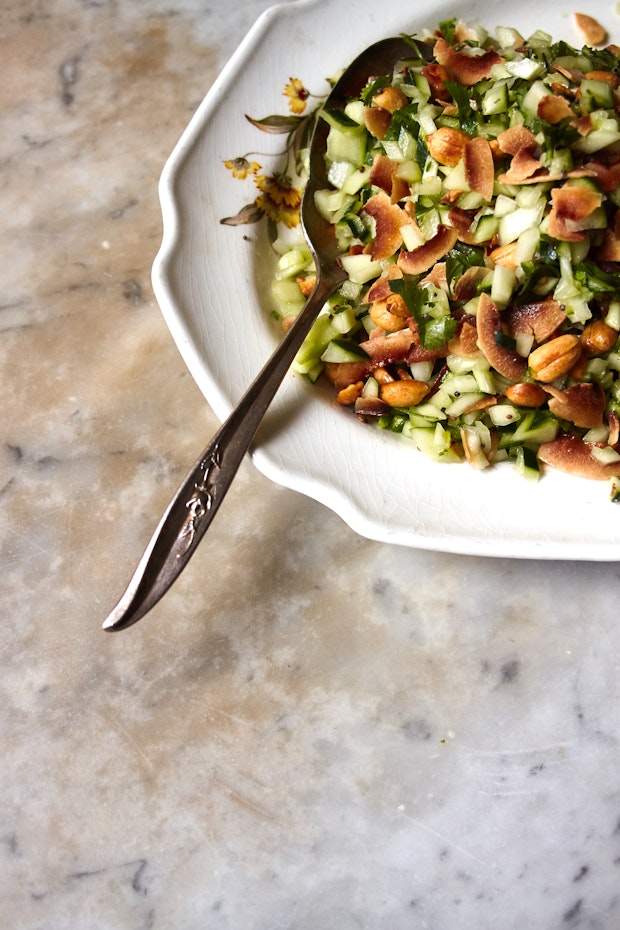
(504,255)
(597,337)
(526,394)
(553,359)
(390,99)
(382,376)
(608,76)
(347,396)
(389,314)
(403,393)
(447,145)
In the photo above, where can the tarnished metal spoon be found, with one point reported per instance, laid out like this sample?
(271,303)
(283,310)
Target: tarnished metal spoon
(193,507)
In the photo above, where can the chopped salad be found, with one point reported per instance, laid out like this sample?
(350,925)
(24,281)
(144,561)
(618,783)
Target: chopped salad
(475,196)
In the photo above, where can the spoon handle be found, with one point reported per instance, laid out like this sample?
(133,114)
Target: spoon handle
(196,502)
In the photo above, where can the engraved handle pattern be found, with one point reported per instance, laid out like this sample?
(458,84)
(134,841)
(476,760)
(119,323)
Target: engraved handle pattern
(192,509)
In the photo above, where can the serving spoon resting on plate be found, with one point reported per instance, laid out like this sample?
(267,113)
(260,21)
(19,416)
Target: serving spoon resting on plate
(194,505)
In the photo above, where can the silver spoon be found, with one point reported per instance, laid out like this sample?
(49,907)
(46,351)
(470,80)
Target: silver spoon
(193,507)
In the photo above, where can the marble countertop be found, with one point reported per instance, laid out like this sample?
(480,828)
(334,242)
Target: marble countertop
(311,731)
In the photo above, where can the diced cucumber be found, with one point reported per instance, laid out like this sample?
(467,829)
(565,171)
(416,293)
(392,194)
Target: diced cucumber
(332,205)
(346,140)
(350,290)
(424,440)
(421,371)
(315,343)
(343,350)
(412,237)
(293,263)
(355,111)
(410,171)
(495,99)
(526,464)
(595,95)
(356,180)
(339,172)
(286,290)
(597,139)
(504,205)
(525,68)
(534,428)
(455,385)
(613,315)
(486,228)
(504,280)
(527,244)
(392,149)
(513,224)
(361,268)
(340,120)
(533,96)
(504,414)
(344,320)
(463,403)
(605,454)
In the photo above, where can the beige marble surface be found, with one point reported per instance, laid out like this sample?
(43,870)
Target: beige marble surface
(311,731)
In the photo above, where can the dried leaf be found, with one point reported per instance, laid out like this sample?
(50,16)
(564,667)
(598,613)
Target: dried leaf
(276,124)
(249,214)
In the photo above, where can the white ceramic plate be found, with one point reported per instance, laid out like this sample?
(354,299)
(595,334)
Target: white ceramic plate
(206,281)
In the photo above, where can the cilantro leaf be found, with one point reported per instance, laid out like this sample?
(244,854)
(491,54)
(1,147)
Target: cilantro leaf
(588,275)
(460,258)
(433,332)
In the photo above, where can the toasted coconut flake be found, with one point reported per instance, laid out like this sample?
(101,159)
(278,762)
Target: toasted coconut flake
(541,177)
(462,222)
(425,256)
(369,407)
(504,255)
(523,168)
(489,326)
(389,219)
(553,109)
(540,320)
(590,28)
(582,404)
(342,374)
(575,203)
(479,168)
(418,353)
(573,455)
(583,124)
(609,251)
(380,289)
(437,76)
(513,140)
(437,276)
(571,74)
(571,206)
(466,67)
(465,342)
(466,286)
(607,176)
(382,173)
(384,350)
